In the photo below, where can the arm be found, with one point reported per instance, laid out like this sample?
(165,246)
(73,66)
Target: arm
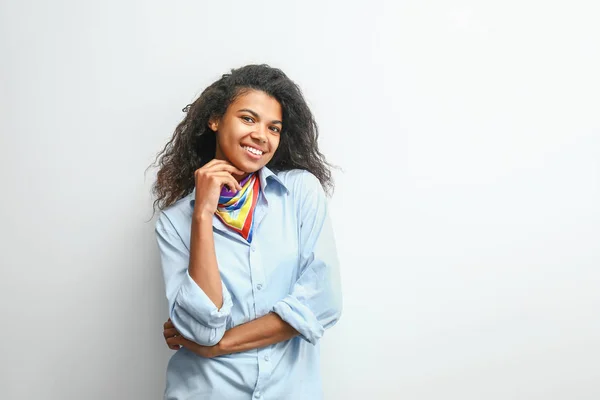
(194,314)
(313,305)
(315,301)
(203,268)
(261,332)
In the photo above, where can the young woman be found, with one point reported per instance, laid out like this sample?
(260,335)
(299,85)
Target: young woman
(246,243)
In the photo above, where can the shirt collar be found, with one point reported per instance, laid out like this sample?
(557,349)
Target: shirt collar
(264,175)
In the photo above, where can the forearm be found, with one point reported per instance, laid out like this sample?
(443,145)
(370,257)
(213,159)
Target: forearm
(203,268)
(261,332)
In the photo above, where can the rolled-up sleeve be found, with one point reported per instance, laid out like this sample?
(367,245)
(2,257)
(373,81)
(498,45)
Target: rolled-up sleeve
(315,302)
(192,312)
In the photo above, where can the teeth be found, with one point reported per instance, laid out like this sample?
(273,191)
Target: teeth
(253,151)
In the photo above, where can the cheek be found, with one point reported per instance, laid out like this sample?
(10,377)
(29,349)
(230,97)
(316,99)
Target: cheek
(275,143)
(230,137)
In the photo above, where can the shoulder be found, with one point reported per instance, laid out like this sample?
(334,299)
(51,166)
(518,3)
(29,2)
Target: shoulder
(300,182)
(305,189)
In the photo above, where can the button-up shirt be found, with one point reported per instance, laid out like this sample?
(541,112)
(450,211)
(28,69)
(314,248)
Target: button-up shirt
(290,268)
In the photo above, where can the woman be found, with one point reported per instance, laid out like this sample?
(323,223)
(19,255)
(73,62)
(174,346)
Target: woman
(246,243)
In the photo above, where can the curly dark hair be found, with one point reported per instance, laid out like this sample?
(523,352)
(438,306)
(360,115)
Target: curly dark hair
(193,144)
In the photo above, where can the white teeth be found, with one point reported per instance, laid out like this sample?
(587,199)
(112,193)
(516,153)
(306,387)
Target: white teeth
(253,150)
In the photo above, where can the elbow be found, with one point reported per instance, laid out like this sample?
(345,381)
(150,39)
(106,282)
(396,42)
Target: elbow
(203,335)
(196,331)
(335,313)
(338,313)
(212,338)
(333,298)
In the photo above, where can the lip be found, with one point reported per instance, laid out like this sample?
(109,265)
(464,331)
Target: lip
(251,155)
(254,147)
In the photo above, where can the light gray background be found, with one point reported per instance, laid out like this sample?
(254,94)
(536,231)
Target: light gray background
(467,215)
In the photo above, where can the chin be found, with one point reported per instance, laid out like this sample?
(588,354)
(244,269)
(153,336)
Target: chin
(246,164)
(246,167)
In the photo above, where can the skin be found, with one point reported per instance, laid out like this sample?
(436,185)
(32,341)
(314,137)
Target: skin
(252,119)
(261,332)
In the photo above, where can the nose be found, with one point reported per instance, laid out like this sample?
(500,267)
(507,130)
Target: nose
(260,133)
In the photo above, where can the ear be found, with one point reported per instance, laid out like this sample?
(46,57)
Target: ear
(213,124)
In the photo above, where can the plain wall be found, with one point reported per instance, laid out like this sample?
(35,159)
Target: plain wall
(467,213)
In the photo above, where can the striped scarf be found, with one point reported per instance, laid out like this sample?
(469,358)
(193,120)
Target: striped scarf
(236,210)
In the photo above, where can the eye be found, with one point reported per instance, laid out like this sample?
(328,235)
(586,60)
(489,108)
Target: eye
(275,129)
(247,118)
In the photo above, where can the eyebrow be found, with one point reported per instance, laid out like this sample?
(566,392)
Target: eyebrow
(275,121)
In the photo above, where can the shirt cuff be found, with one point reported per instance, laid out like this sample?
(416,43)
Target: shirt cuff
(300,317)
(193,299)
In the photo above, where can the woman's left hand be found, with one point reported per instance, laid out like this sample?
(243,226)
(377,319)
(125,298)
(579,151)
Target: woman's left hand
(175,341)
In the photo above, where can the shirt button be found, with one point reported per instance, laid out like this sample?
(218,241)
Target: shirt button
(257,395)
(266,358)
(253,248)
(259,286)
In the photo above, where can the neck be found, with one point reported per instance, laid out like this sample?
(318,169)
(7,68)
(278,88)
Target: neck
(219,156)
(240,178)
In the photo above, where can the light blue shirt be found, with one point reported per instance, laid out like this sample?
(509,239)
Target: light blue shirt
(290,268)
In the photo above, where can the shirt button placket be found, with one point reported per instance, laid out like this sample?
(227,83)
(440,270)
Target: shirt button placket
(258,279)
(253,264)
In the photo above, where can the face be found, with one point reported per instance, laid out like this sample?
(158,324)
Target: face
(248,133)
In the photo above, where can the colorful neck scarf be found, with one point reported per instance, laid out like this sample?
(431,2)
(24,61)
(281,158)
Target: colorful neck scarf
(236,210)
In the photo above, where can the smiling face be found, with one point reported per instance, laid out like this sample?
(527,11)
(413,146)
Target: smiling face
(248,132)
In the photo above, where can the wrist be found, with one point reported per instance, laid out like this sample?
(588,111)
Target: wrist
(202,216)
(221,348)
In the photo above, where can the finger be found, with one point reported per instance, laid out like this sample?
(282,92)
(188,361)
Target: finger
(173,346)
(212,162)
(222,165)
(167,333)
(168,324)
(176,341)
(225,178)
(234,184)
(188,344)
(227,170)
(209,166)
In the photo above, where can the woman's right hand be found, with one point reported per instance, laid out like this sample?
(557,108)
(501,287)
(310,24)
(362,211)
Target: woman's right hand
(209,182)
